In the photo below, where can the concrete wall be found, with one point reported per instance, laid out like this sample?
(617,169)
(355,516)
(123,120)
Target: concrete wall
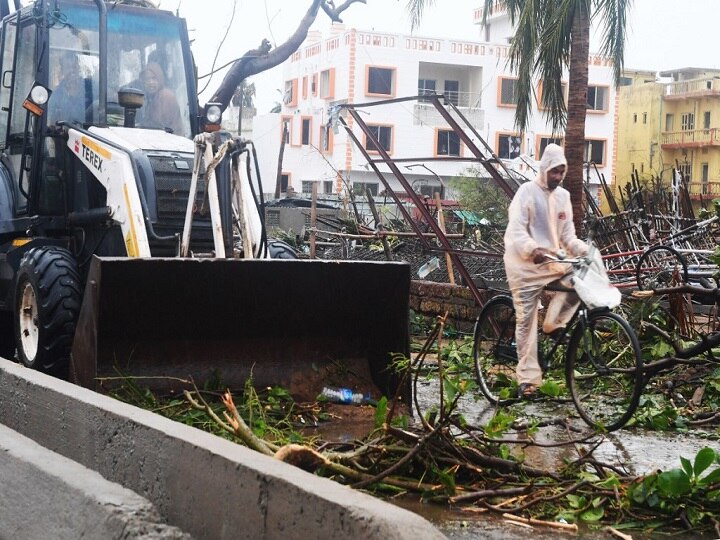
(207,486)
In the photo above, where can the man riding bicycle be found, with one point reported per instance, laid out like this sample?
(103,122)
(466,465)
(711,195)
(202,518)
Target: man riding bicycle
(540,223)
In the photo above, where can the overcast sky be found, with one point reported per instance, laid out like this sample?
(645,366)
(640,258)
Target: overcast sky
(664,34)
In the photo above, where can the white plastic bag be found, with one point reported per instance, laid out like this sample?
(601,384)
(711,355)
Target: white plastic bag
(593,286)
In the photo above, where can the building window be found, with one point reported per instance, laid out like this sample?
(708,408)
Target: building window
(306,131)
(286,130)
(687,121)
(327,84)
(448,143)
(706,120)
(597,98)
(429,190)
(326,139)
(634,118)
(314,84)
(452,92)
(307,186)
(383,134)
(328,187)
(705,176)
(380,81)
(359,188)
(542,99)
(669,121)
(426,87)
(509,146)
(290,95)
(644,118)
(686,171)
(595,152)
(284,182)
(305,87)
(508,92)
(544,141)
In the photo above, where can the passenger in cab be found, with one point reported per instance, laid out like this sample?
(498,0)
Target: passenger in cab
(72,98)
(161,109)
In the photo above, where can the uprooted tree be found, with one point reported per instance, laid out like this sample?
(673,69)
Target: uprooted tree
(266,57)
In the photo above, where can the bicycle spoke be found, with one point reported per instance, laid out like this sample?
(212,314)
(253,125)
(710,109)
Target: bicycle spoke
(603,371)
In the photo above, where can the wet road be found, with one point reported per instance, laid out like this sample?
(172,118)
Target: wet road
(636,451)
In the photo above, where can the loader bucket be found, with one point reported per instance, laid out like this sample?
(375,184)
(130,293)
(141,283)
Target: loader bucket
(297,324)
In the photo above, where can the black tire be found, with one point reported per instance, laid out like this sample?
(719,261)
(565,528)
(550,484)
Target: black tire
(603,370)
(281,250)
(47,304)
(495,352)
(7,335)
(659,267)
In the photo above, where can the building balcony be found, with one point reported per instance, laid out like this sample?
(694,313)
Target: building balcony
(468,103)
(692,89)
(497,10)
(704,190)
(695,138)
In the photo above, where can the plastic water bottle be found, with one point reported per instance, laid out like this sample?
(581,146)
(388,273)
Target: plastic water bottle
(425,269)
(344,395)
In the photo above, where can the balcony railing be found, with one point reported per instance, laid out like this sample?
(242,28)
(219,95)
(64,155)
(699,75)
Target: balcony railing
(706,190)
(691,138)
(471,100)
(496,9)
(696,87)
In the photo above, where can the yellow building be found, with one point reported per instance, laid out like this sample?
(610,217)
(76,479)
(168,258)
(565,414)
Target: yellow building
(671,122)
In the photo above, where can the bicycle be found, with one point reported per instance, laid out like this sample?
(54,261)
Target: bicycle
(603,362)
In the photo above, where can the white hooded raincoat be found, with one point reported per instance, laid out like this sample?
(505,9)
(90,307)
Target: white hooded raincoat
(538,217)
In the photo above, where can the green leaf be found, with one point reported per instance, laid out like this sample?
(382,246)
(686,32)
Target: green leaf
(686,465)
(710,479)
(593,514)
(674,483)
(550,388)
(576,501)
(381,411)
(703,460)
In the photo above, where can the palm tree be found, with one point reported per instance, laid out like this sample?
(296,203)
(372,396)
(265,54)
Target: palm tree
(551,35)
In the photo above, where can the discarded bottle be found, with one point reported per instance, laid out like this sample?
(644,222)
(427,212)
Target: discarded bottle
(425,269)
(344,395)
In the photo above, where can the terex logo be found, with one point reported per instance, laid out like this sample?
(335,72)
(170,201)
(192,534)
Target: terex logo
(92,158)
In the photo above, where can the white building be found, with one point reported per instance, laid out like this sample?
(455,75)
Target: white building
(356,66)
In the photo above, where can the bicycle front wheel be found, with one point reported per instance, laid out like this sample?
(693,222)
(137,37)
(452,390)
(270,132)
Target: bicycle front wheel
(494,350)
(603,370)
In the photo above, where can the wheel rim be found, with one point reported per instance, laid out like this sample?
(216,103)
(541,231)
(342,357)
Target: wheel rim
(604,375)
(495,352)
(28,322)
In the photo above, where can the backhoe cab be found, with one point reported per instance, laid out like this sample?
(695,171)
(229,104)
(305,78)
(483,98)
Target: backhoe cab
(105,179)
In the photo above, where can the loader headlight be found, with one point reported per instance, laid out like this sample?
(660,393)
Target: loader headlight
(213,117)
(39,94)
(213,113)
(37,99)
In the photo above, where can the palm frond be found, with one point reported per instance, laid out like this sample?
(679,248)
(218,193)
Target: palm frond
(416,9)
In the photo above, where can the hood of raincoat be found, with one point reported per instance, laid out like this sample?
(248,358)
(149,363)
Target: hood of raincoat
(552,157)
(156,70)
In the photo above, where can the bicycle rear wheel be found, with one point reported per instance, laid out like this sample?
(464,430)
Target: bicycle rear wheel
(603,370)
(494,350)
(659,267)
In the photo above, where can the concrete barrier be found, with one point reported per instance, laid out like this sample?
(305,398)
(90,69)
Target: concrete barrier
(205,485)
(45,495)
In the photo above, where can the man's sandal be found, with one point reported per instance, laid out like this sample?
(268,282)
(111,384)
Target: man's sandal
(527,391)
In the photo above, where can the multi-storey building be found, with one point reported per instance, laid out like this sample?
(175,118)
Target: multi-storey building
(358,66)
(671,122)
